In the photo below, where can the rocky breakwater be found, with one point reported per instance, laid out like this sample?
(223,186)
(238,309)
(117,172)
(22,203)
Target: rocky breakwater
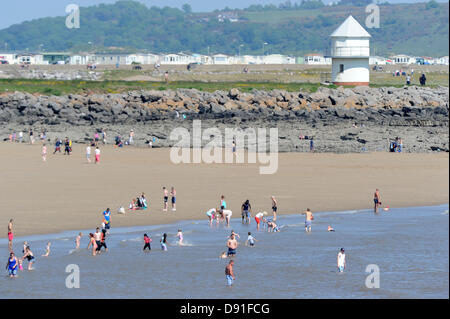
(339,120)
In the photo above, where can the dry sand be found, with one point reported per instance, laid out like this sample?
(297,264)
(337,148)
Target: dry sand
(66,193)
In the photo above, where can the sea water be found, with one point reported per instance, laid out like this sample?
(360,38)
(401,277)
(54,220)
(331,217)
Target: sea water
(410,247)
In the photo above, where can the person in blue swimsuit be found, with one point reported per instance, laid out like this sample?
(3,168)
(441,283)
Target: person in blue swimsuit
(12,265)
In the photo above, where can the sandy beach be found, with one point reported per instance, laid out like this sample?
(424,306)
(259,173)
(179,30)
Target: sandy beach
(66,193)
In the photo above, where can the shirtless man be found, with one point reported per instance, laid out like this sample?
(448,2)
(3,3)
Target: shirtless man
(232,246)
(309,218)
(229,273)
(274,208)
(376,200)
(173,194)
(10,235)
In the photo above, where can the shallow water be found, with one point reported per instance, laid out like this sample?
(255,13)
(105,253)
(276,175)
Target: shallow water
(410,246)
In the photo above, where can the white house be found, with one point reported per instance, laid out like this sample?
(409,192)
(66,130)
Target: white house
(443,60)
(316,59)
(29,58)
(377,60)
(8,57)
(220,59)
(80,59)
(403,59)
(350,53)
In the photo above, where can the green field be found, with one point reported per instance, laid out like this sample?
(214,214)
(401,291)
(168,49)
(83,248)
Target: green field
(54,87)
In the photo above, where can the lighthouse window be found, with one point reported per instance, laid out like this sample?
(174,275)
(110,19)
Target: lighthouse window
(341,68)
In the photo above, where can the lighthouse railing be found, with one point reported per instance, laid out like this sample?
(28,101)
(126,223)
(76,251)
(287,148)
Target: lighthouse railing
(351,51)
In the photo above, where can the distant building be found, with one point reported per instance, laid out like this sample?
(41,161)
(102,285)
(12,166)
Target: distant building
(403,59)
(377,60)
(278,59)
(316,59)
(350,53)
(443,60)
(7,58)
(220,59)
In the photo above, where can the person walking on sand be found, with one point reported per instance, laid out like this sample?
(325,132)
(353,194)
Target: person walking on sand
(12,265)
(232,245)
(88,153)
(166,77)
(173,194)
(274,208)
(58,144)
(309,218)
(341,264)
(131,137)
(223,203)
(47,250)
(229,274)
(97,155)
(165,199)
(376,200)
(92,243)
(78,240)
(10,235)
(44,152)
(31,136)
(147,241)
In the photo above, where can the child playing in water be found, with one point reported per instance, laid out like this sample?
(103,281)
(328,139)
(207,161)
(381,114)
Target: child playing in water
(250,240)
(77,241)
(47,250)
(180,237)
(223,255)
(211,215)
(147,241)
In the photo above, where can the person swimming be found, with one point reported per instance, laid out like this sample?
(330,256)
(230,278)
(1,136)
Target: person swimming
(330,228)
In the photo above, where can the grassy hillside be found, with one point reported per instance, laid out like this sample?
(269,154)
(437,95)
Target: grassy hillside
(415,29)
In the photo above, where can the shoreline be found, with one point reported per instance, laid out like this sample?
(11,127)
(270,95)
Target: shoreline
(65,193)
(84,231)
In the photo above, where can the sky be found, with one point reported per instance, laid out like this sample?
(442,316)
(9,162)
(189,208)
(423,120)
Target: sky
(12,12)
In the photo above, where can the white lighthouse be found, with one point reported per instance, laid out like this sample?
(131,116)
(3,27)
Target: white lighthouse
(350,53)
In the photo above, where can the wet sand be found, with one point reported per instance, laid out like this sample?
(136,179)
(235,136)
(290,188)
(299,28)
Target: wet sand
(66,193)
